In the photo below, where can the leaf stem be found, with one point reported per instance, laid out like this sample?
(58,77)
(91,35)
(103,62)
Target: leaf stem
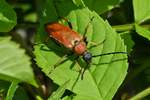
(141,95)
(127,27)
(11,91)
(124,27)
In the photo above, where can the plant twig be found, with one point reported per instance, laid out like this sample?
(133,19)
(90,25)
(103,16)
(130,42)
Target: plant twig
(141,95)
(127,27)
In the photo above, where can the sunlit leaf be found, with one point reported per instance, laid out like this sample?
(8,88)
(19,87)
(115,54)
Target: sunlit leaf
(141,10)
(143,31)
(102,79)
(128,40)
(100,6)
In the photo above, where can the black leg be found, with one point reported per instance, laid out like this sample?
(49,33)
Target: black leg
(46,41)
(93,44)
(69,23)
(63,59)
(60,61)
(86,29)
(83,69)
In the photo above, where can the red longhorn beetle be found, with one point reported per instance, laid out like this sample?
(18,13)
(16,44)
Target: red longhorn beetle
(72,40)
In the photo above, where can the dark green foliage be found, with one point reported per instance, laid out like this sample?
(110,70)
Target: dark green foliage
(117,26)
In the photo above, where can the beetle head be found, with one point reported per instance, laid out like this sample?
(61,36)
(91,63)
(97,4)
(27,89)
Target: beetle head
(87,56)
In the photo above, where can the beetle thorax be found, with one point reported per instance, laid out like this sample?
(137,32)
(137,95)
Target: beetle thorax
(80,47)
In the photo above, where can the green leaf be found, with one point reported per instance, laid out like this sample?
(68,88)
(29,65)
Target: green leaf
(67,98)
(15,64)
(7,17)
(101,80)
(4,85)
(141,10)
(21,94)
(126,36)
(78,2)
(12,90)
(101,6)
(142,31)
(59,92)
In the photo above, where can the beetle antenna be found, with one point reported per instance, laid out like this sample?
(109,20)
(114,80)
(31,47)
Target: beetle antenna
(110,53)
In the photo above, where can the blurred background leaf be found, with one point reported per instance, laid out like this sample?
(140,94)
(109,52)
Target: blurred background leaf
(15,65)
(7,17)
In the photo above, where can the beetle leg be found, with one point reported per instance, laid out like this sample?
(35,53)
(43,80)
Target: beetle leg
(60,61)
(82,69)
(60,17)
(85,40)
(38,43)
(69,23)
(86,29)
(46,40)
(93,44)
